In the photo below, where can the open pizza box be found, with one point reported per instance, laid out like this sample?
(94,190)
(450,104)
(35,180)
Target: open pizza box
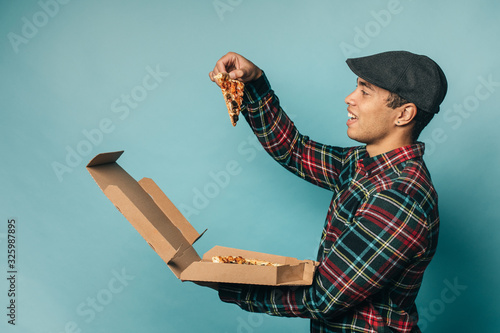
(168,232)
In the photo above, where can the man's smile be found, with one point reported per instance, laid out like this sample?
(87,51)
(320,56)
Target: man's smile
(352,118)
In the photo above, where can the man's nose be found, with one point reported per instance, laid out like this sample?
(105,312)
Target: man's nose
(350,99)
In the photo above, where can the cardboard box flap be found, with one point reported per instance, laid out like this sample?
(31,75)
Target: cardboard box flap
(168,208)
(182,260)
(105,158)
(230,273)
(142,212)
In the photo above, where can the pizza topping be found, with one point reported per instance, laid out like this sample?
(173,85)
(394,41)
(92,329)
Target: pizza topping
(233,94)
(241,261)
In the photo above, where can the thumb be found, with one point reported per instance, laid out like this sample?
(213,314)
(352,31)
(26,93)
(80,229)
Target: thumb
(244,74)
(237,74)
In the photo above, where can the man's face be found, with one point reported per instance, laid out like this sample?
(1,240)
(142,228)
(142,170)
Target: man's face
(370,119)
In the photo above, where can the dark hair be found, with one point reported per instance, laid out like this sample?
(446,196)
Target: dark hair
(421,119)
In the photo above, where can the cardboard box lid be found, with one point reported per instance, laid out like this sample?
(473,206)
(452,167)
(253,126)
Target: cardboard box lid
(149,210)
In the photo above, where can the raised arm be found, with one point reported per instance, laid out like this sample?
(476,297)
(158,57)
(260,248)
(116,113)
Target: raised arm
(317,163)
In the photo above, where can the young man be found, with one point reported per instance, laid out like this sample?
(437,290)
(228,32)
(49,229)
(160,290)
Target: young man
(381,228)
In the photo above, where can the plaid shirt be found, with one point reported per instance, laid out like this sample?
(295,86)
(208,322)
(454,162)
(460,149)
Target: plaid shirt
(380,233)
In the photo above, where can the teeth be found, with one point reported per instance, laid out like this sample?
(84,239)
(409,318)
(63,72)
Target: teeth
(350,115)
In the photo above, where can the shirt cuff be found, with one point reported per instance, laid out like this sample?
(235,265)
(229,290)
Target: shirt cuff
(256,90)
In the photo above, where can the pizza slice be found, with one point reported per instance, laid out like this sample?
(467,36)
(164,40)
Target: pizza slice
(241,261)
(233,94)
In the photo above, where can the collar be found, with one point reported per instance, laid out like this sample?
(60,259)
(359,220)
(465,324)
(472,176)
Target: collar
(373,165)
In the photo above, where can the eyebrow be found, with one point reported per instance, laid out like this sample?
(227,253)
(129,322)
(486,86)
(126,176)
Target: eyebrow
(365,84)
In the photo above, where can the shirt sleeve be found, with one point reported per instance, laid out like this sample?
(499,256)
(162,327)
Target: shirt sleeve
(388,235)
(317,163)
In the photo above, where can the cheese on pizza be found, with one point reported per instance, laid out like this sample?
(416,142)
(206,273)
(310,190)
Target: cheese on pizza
(241,261)
(233,95)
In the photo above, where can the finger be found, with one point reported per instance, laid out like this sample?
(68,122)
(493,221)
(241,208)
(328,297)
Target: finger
(212,77)
(217,69)
(228,62)
(220,66)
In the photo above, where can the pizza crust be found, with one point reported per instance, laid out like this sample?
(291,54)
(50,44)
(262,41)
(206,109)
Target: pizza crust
(232,90)
(241,261)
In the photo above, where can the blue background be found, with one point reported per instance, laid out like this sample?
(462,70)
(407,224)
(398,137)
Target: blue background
(75,81)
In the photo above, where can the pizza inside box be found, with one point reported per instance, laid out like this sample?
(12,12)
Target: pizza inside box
(168,232)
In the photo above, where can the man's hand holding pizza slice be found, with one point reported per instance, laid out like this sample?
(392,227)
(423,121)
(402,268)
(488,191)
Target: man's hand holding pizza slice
(230,73)
(238,68)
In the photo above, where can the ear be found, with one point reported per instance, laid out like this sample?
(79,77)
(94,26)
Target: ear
(406,113)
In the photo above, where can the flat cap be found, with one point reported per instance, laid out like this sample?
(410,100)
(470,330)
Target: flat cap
(416,78)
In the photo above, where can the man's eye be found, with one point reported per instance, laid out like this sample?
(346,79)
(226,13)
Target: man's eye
(364,92)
